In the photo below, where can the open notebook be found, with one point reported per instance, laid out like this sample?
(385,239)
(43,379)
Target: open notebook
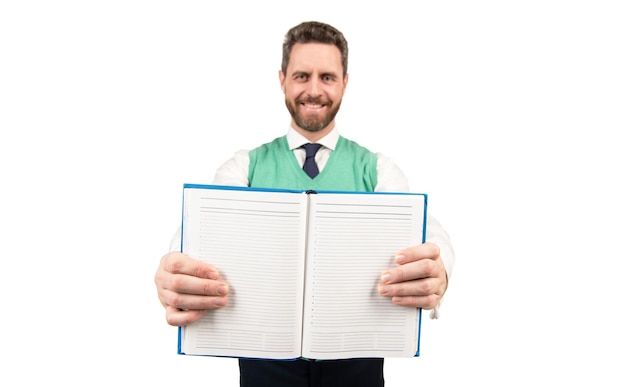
(303,269)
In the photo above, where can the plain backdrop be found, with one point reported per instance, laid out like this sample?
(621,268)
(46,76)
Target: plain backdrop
(509,114)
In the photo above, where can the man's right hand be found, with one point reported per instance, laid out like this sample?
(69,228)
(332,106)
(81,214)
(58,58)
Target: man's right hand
(188,288)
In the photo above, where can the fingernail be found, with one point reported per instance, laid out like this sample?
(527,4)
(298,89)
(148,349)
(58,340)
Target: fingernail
(383,290)
(400,258)
(222,290)
(220,302)
(385,277)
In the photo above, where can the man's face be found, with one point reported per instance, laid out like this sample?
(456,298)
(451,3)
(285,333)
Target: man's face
(313,86)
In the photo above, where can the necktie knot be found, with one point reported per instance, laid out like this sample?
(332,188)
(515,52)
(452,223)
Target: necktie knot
(310,166)
(311,149)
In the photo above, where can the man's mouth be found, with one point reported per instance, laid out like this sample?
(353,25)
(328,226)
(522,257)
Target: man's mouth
(312,105)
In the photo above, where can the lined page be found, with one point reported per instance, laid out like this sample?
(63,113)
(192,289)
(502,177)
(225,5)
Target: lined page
(256,240)
(353,238)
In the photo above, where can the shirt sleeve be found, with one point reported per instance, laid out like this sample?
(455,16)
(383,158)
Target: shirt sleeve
(234,172)
(392,179)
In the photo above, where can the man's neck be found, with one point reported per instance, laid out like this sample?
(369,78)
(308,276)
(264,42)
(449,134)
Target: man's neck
(314,136)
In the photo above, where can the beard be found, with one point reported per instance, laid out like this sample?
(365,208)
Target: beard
(313,124)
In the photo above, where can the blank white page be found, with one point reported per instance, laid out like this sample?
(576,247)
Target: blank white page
(353,238)
(256,240)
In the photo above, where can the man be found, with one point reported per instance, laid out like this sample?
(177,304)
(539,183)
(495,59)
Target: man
(313,78)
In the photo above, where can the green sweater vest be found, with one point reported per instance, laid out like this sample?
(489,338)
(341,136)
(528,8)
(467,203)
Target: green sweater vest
(350,167)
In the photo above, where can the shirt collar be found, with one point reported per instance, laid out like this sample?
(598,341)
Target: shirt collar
(295,139)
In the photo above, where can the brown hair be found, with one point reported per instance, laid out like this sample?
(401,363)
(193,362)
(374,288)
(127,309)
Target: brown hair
(317,32)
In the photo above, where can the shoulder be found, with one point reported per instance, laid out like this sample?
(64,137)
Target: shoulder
(390,176)
(277,142)
(354,146)
(234,171)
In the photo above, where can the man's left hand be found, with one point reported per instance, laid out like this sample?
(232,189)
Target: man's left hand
(420,280)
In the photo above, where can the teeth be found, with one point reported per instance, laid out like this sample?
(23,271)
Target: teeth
(310,106)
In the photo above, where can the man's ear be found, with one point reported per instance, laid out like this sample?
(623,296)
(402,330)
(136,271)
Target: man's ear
(281,78)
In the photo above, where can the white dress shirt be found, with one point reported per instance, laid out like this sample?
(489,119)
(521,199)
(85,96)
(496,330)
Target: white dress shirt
(390,178)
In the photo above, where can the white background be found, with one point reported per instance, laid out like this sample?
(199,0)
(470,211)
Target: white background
(509,114)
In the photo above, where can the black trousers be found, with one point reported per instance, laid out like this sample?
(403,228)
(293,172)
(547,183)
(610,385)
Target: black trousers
(305,373)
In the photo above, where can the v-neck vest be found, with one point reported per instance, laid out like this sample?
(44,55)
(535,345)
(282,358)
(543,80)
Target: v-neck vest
(350,167)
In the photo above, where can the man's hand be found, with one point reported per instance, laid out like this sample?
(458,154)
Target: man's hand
(187,288)
(420,280)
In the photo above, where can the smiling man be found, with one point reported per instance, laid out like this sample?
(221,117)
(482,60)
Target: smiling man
(313,77)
